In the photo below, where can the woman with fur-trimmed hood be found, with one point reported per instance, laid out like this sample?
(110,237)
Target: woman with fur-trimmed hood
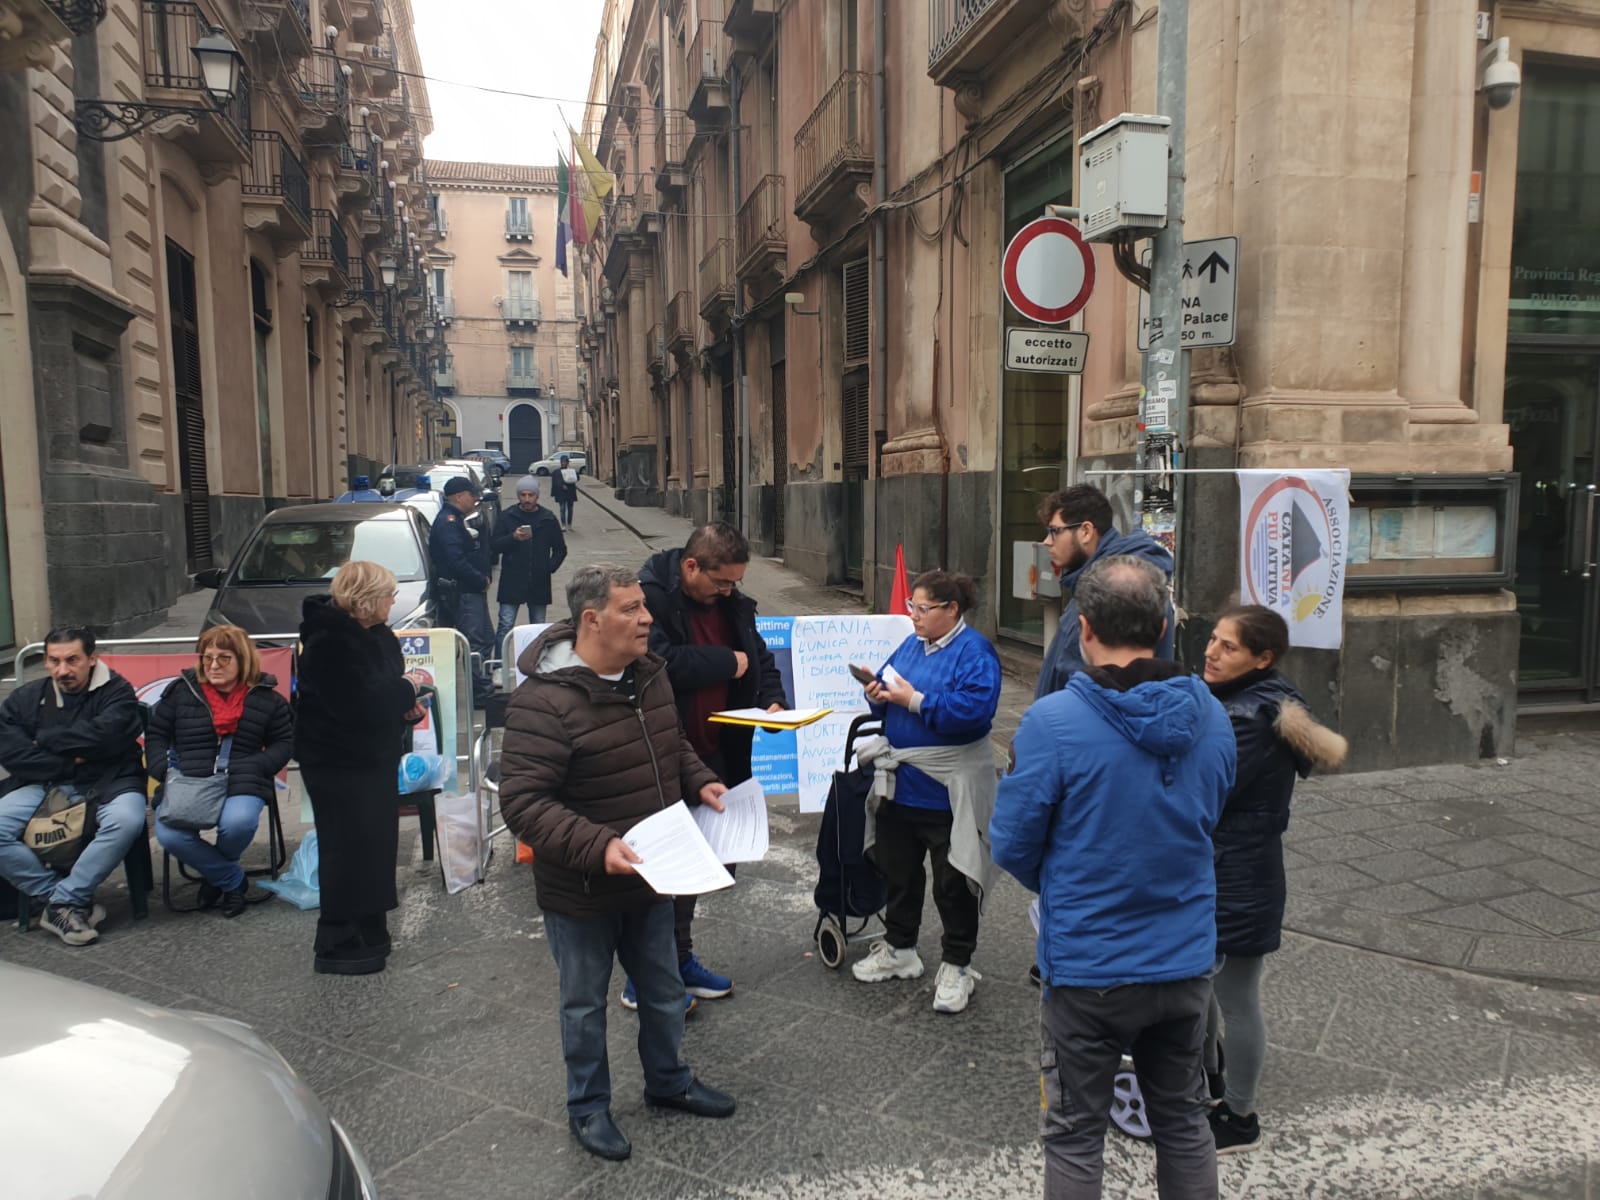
(1278,740)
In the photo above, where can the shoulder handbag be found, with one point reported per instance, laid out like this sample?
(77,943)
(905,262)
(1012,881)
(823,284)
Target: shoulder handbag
(193,802)
(61,826)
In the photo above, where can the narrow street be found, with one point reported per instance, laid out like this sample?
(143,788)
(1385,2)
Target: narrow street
(1387,1076)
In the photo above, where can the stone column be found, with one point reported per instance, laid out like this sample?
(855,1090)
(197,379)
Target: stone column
(1433,294)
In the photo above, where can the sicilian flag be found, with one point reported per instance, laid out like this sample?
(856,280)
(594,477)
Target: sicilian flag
(563,181)
(591,184)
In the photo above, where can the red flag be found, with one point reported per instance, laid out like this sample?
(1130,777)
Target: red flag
(900,597)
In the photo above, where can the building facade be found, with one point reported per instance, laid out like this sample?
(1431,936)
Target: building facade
(509,380)
(793,314)
(211,301)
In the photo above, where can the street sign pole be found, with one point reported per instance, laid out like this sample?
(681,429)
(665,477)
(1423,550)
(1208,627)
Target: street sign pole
(1164,396)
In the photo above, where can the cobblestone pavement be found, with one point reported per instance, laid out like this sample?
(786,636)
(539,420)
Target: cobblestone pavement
(1387,1077)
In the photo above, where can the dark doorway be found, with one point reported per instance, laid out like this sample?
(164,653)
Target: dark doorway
(525,426)
(183,303)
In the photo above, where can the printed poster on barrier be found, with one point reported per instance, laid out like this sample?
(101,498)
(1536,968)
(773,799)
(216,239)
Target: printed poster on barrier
(433,652)
(823,649)
(773,753)
(1293,541)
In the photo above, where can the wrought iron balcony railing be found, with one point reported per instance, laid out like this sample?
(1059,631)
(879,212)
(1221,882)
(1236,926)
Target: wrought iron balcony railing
(716,277)
(834,146)
(275,170)
(168,33)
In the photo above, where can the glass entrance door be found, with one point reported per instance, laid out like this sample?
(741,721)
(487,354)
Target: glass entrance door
(1551,402)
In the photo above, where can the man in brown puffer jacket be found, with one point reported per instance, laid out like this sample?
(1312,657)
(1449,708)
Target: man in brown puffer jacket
(592,747)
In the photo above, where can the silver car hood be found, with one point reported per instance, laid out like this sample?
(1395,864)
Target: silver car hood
(109,1098)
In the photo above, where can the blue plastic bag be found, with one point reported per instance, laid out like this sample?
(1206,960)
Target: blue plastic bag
(423,773)
(299,884)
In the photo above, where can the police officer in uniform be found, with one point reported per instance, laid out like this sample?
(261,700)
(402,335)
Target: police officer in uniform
(460,554)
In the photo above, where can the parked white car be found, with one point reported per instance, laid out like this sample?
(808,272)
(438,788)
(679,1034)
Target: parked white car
(549,466)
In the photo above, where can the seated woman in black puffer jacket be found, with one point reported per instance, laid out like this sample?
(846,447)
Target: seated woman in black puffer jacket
(1278,739)
(226,695)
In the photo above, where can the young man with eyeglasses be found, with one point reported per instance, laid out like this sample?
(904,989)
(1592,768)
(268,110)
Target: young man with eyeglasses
(705,628)
(1079,531)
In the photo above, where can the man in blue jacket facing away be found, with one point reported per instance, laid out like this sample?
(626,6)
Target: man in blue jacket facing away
(1115,785)
(1078,530)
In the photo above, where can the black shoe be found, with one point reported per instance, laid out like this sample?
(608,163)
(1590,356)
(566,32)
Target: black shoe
(353,958)
(699,1100)
(1035,977)
(207,896)
(375,933)
(1232,1132)
(598,1134)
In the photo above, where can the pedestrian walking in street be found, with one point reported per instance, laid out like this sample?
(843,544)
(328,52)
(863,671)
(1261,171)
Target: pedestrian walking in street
(1278,740)
(592,747)
(531,548)
(1079,531)
(934,790)
(223,715)
(564,489)
(1106,811)
(705,629)
(354,699)
(460,553)
(75,731)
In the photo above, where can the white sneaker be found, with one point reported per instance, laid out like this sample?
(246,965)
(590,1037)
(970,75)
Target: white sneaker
(885,962)
(952,988)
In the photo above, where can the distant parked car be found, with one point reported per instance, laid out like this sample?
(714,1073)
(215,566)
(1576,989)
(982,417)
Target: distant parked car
(163,1102)
(549,466)
(494,458)
(294,553)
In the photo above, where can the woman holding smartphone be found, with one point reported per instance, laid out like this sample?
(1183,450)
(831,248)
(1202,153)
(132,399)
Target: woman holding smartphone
(935,789)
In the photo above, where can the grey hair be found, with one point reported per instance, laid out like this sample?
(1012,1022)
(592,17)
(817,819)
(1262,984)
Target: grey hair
(590,587)
(1125,600)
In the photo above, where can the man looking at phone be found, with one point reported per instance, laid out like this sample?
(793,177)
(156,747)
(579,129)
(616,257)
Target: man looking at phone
(705,628)
(531,547)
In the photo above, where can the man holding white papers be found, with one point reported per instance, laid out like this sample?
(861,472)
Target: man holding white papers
(592,748)
(705,628)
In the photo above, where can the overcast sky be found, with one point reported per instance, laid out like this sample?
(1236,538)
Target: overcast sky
(532,46)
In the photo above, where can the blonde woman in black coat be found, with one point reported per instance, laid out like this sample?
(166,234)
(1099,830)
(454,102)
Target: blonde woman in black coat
(1278,741)
(355,699)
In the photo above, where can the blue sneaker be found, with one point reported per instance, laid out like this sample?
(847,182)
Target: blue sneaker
(630,1000)
(699,980)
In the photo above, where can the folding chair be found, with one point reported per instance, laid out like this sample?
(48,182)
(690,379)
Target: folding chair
(277,859)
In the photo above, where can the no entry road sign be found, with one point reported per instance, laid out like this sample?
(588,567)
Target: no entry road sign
(1048,271)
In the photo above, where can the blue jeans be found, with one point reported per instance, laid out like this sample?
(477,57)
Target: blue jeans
(472,619)
(508,621)
(120,823)
(584,948)
(218,864)
(565,507)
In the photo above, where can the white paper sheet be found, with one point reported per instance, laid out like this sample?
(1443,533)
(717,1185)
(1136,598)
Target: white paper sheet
(739,833)
(676,860)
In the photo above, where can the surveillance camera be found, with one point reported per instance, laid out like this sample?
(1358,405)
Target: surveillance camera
(1500,83)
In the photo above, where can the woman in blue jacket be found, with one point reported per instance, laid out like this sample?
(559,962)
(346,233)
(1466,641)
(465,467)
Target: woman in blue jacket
(937,697)
(1277,741)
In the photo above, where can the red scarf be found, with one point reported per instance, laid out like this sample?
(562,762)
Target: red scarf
(225,710)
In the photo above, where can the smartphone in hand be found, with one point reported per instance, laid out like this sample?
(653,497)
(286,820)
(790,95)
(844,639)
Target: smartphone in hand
(862,675)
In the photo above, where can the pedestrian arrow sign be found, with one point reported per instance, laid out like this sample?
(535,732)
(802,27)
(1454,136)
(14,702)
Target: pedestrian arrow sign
(1210,294)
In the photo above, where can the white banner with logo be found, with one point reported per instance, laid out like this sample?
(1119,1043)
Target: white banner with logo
(1294,532)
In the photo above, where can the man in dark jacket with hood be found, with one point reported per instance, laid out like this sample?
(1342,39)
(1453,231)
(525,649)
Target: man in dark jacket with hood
(1115,785)
(531,547)
(77,729)
(705,628)
(1079,531)
(593,747)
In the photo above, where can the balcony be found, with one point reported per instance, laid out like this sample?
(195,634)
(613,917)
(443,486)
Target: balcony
(438,224)
(683,325)
(444,375)
(655,352)
(833,154)
(444,307)
(277,193)
(519,226)
(34,27)
(357,178)
(709,103)
(716,283)
(321,87)
(366,19)
(326,256)
(381,76)
(519,311)
(280,30)
(408,149)
(672,148)
(749,22)
(762,229)
(522,377)
(968,37)
(170,28)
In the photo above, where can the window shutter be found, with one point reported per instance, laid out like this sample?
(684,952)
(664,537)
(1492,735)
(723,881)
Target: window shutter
(857,314)
(856,421)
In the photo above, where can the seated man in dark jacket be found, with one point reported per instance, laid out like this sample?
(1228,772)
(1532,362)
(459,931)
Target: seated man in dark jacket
(593,747)
(531,547)
(705,628)
(78,729)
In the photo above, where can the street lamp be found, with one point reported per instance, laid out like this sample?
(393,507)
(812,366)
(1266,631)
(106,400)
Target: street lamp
(387,268)
(113,120)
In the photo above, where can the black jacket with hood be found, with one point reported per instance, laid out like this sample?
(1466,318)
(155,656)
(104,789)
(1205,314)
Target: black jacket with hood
(1277,739)
(41,737)
(526,567)
(181,722)
(353,696)
(690,667)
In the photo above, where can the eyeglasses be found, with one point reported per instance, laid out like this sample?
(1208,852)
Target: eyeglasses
(217,660)
(922,610)
(1054,531)
(725,586)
